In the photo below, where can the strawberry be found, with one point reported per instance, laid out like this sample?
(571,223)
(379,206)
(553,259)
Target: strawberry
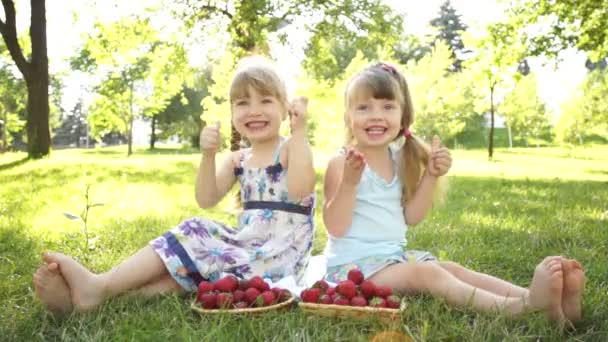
(355,276)
(347,289)
(325,299)
(330,291)
(238,295)
(339,300)
(358,301)
(208,300)
(393,302)
(259,284)
(311,295)
(282,295)
(241,305)
(224,300)
(377,302)
(383,291)
(368,289)
(227,284)
(205,286)
(243,284)
(321,284)
(268,298)
(251,294)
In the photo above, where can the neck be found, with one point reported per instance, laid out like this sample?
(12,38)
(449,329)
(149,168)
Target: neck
(374,155)
(266,146)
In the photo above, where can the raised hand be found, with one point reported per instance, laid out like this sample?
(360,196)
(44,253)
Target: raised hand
(210,139)
(440,159)
(354,164)
(298,114)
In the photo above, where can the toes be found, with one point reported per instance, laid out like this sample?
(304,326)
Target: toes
(53,268)
(51,257)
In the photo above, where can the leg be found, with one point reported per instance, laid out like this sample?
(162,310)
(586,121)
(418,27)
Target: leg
(52,289)
(484,281)
(89,290)
(163,285)
(545,290)
(574,284)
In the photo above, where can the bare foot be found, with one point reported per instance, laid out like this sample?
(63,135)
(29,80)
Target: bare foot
(574,284)
(86,288)
(546,288)
(52,289)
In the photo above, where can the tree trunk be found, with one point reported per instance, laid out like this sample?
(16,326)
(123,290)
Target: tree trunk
(153,133)
(130,124)
(491,133)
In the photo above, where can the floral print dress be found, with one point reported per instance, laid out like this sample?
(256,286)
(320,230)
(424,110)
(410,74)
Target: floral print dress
(273,238)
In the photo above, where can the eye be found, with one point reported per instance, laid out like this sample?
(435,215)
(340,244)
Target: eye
(268,100)
(240,103)
(389,106)
(362,107)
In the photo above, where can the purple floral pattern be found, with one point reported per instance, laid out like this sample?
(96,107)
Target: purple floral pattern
(269,243)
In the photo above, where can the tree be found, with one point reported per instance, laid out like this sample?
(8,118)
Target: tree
(581,24)
(12,98)
(523,110)
(497,55)
(139,72)
(450,29)
(35,73)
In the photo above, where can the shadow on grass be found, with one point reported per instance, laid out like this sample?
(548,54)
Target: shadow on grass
(13,164)
(122,152)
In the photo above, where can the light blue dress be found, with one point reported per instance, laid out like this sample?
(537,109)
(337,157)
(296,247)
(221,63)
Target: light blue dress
(377,235)
(273,238)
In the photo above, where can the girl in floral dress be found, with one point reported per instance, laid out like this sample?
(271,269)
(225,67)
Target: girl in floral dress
(274,235)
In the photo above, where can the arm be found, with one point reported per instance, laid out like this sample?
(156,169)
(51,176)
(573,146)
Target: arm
(340,189)
(301,175)
(439,164)
(211,184)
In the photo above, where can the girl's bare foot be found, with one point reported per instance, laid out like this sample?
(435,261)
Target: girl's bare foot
(86,288)
(546,288)
(574,284)
(52,289)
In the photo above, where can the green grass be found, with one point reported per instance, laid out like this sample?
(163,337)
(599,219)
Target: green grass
(501,217)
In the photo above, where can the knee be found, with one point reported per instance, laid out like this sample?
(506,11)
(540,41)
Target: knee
(430,275)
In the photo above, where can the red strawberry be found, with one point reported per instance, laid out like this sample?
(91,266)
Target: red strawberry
(283,295)
(208,300)
(227,284)
(224,300)
(238,295)
(251,294)
(243,284)
(368,289)
(268,298)
(339,300)
(377,302)
(347,289)
(355,276)
(383,291)
(205,286)
(311,295)
(325,299)
(358,301)
(393,302)
(259,284)
(321,284)
(330,291)
(241,305)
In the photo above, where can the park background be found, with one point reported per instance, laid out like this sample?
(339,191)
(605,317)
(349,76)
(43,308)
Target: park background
(101,104)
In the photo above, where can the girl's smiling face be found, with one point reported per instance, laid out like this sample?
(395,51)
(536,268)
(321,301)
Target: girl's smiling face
(373,121)
(257,116)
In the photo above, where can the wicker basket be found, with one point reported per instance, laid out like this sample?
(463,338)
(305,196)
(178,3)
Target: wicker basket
(357,312)
(252,311)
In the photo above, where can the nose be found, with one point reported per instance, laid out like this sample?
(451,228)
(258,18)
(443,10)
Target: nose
(255,109)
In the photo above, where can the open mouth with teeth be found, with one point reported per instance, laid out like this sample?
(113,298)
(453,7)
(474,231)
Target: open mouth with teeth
(256,125)
(375,131)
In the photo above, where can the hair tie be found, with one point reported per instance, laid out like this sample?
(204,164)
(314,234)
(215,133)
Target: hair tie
(407,133)
(387,67)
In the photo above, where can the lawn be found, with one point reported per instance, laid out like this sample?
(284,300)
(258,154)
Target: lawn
(501,217)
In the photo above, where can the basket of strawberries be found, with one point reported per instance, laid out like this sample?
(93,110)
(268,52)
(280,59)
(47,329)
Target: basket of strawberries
(231,295)
(352,298)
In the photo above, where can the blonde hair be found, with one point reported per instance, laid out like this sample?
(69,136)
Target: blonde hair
(383,81)
(258,73)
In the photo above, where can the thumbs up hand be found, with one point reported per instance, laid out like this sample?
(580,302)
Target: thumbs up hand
(210,138)
(440,159)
